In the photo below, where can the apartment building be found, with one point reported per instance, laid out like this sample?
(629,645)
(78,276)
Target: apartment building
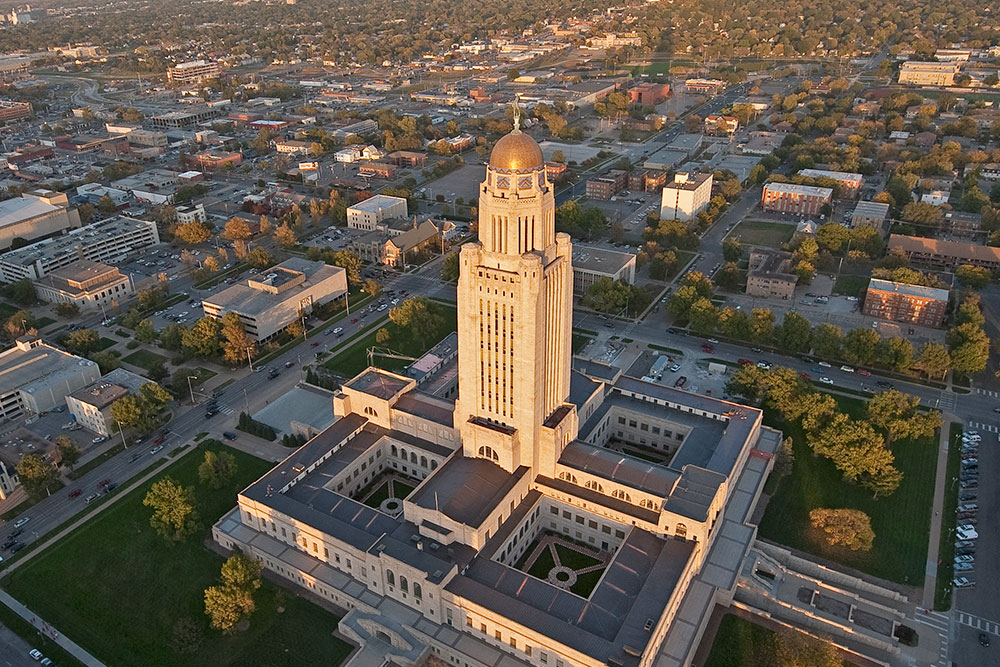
(769,274)
(941,254)
(87,284)
(369,214)
(870,214)
(608,185)
(928,73)
(850,183)
(109,241)
(276,297)
(11,111)
(792,198)
(193,72)
(686,197)
(196,213)
(91,405)
(902,302)
(721,125)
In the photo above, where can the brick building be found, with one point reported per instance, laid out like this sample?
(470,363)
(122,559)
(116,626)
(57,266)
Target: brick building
(902,302)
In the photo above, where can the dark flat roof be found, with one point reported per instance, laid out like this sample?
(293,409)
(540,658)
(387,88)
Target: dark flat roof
(655,479)
(378,383)
(466,489)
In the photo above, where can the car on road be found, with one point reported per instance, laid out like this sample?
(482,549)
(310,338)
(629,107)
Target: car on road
(339,331)
(847,369)
(75,493)
(826,380)
(313,344)
(766,365)
(823,364)
(805,376)
(91,498)
(289,364)
(705,347)
(98,439)
(17,547)
(156,449)
(984,639)
(863,372)
(134,458)
(713,341)
(19,523)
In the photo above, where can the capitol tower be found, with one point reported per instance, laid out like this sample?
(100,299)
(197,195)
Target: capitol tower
(515,317)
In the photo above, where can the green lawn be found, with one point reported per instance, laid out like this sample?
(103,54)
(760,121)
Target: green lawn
(354,359)
(574,559)
(946,545)
(129,587)
(579,342)
(6,310)
(144,359)
(850,285)
(740,643)
(758,232)
(104,343)
(542,565)
(901,521)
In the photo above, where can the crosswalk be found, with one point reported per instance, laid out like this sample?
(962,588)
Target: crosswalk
(989,428)
(947,401)
(942,624)
(987,392)
(979,623)
(226,410)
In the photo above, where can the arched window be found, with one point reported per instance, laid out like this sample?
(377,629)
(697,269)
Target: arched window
(423,461)
(395,452)
(488,453)
(594,486)
(403,585)
(369,410)
(648,504)
(390,578)
(417,592)
(567,477)
(682,531)
(434,465)
(402,455)
(621,495)
(413,458)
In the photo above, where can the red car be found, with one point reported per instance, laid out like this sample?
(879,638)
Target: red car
(680,381)
(805,376)
(707,348)
(104,483)
(862,371)
(354,320)
(75,493)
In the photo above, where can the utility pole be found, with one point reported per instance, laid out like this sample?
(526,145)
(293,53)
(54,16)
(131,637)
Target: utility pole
(249,360)
(246,401)
(125,444)
(190,387)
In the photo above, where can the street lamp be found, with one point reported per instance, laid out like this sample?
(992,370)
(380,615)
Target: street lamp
(120,430)
(190,387)
(249,360)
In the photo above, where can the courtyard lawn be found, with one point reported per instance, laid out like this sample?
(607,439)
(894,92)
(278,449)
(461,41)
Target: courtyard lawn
(119,589)
(740,643)
(758,232)
(104,343)
(586,582)
(543,564)
(575,559)
(144,359)
(901,521)
(851,285)
(354,359)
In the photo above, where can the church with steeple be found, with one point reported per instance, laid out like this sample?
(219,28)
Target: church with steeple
(556,513)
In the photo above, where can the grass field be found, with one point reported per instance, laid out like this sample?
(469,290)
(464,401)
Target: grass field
(740,643)
(351,361)
(850,285)
(946,546)
(104,343)
(144,359)
(901,521)
(129,587)
(580,341)
(758,232)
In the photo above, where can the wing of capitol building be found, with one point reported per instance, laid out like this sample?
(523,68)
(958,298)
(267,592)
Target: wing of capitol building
(523,530)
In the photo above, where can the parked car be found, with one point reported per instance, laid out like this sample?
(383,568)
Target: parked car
(229,435)
(963,567)
(984,639)
(675,368)
(35,654)
(823,364)
(864,372)
(681,381)
(75,493)
(99,439)
(962,582)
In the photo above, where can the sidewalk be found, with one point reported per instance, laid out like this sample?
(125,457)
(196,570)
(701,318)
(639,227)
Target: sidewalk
(940,483)
(70,646)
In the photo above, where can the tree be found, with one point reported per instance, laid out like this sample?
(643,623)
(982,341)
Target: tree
(144,332)
(891,411)
(69,453)
(418,317)
(21,322)
(36,475)
(449,267)
(259,258)
(370,287)
(238,231)
(761,325)
(382,336)
(106,360)
(22,292)
(157,370)
(734,323)
(728,277)
(970,348)
(171,336)
(895,353)
(218,469)
(193,232)
(232,601)
(793,333)
(934,360)
(703,316)
(747,381)
(236,341)
(832,236)
(202,339)
(350,262)
(284,236)
(607,296)
(976,277)
(82,341)
(861,345)
(67,309)
(175,514)
(805,271)
(844,527)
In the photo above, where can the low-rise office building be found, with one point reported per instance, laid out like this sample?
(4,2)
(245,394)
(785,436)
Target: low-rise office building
(902,302)
(90,406)
(215,160)
(769,274)
(792,198)
(278,296)
(370,213)
(590,264)
(177,120)
(850,183)
(686,197)
(36,377)
(392,244)
(10,110)
(195,213)
(34,215)
(110,241)
(193,72)
(608,185)
(87,284)
(940,254)
(723,125)
(928,73)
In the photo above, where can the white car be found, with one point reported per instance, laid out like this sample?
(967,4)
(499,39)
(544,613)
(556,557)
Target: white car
(823,364)
(962,582)
(99,439)
(826,380)
(22,521)
(965,559)
(963,567)
(675,368)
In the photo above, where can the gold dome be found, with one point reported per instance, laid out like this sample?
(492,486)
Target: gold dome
(516,151)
